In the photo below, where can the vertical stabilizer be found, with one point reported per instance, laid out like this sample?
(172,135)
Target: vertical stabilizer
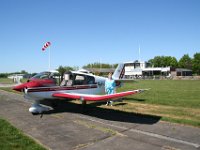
(119,72)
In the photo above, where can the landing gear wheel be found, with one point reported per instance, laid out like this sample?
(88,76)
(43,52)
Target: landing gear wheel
(34,113)
(36,108)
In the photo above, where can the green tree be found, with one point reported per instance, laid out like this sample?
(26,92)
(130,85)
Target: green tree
(159,61)
(196,63)
(163,61)
(173,62)
(4,75)
(185,62)
(24,72)
(166,61)
(99,65)
(151,61)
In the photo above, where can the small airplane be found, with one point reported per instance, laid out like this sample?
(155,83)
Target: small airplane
(75,85)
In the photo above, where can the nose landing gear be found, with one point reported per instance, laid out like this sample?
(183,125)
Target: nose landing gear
(37,108)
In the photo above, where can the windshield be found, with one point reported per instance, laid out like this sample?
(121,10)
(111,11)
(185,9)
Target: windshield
(42,75)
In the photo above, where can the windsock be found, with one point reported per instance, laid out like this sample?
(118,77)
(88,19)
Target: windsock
(46,45)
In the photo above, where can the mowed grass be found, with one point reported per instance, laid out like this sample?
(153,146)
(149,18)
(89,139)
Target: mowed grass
(6,81)
(12,138)
(10,81)
(173,100)
(184,93)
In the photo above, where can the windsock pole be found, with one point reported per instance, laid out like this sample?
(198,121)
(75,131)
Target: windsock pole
(48,45)
(49,58)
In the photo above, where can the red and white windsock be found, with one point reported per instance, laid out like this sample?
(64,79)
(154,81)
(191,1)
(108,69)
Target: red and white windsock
(46,45)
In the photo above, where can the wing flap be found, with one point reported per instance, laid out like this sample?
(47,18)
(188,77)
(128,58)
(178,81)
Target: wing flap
(89,97)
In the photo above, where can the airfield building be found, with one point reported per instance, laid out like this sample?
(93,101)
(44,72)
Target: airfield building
(143,69)
(16,77)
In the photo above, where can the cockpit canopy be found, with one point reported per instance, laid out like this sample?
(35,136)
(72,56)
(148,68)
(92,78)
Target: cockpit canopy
(70,78)
(47,78)
(46,75)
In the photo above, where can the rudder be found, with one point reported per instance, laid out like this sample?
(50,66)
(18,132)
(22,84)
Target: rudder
(119,72)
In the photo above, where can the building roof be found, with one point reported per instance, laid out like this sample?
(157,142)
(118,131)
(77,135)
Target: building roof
(162,69)
(182,69)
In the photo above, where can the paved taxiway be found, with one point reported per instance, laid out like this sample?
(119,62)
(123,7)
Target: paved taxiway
(71,127)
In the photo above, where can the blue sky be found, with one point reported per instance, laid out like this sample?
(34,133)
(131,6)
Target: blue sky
(87,31)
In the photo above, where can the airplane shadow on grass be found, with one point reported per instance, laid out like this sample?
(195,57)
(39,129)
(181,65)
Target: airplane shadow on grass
(61,106)
(134,99)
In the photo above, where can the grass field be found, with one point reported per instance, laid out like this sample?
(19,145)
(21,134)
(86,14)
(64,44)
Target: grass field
(173,100)
(12,138)
(184,93)
(6,81)
(10,81)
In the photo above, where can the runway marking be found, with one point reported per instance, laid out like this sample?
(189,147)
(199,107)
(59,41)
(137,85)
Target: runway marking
(146,133)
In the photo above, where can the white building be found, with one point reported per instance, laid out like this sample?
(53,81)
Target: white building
(134,69)
(16,77)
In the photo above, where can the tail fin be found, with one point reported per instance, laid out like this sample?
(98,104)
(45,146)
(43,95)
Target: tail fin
(119,72)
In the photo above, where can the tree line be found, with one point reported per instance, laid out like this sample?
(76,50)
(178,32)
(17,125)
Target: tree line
(100,65)
(158,61)
(5,75)
(185,62)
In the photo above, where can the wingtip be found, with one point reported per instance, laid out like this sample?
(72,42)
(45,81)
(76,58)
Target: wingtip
(143,90)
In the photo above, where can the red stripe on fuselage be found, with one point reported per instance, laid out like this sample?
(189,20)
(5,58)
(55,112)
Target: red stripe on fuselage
(60,88)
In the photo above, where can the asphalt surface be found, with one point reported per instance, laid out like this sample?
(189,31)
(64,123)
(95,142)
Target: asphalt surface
(70,126)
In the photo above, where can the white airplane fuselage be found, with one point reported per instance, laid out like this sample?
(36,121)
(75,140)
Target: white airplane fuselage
(45,85)
(40,93)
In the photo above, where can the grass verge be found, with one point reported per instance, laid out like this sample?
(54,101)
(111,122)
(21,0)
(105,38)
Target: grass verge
(12,138)
(186,116)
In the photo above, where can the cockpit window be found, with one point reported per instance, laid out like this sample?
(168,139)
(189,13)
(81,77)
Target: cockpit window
(70,79)
(83,79)
(79,80)
(90,80)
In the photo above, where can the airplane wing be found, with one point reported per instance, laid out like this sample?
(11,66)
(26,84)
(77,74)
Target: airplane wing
(90,97)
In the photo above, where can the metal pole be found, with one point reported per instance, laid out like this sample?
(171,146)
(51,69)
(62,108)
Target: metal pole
(139,53)
(49,58)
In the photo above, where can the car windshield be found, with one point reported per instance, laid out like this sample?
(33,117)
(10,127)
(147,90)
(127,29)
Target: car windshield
(42,75)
